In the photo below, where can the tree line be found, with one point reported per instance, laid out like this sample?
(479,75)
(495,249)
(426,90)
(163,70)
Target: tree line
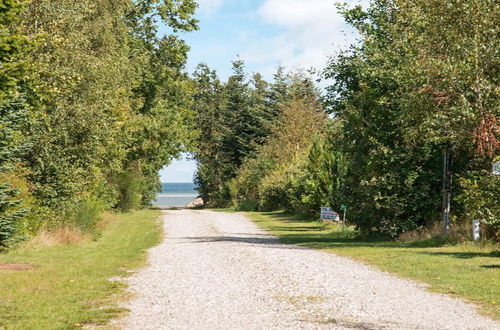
(422,81)
(93,103)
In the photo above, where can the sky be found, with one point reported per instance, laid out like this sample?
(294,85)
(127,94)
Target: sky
(265,34)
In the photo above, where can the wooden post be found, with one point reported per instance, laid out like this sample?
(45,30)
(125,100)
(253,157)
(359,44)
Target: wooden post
(446,188)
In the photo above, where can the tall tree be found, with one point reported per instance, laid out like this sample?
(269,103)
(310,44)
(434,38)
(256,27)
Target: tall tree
(411,88)
(208,105)
(394,185)
(161,128)
(108,99)
(12,115)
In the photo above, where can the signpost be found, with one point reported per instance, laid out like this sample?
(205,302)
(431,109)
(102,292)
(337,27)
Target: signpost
(344,208)
(328,214)
(446,188)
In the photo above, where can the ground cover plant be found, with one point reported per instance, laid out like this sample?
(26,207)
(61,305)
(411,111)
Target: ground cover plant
(465,270)
(68,286)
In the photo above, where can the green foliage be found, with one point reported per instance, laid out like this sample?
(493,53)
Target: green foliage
(402,95)
(208,103)
(233,119)
(326,174)
(12,115)
(102,93)
(423,77)
(479,197)
(87,214)
(129,188)
(9,214)
(273,178)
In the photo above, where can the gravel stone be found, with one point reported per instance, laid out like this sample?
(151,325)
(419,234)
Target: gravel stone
(220,271)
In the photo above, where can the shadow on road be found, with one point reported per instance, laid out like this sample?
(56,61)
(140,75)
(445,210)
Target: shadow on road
(260,240)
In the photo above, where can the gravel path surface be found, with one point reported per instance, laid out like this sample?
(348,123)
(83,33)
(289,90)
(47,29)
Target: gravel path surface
(219,271)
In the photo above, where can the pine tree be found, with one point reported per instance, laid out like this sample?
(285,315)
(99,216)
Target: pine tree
(11,116)
(208,104)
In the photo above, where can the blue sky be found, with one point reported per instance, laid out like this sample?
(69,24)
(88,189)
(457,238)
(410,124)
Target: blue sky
(264,33)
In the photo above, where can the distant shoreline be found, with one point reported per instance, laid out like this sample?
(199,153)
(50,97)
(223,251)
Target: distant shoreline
(176,195)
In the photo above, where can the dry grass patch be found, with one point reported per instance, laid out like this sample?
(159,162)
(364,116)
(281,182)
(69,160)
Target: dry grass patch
(65,235)
(69,234)
(17,267)
(433,234)
(106,219)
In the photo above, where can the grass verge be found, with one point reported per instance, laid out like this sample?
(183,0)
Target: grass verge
(69,286)
(470,271)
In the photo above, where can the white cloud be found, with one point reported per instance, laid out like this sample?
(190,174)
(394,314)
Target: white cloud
(300,13)
(210,5)
(312,30)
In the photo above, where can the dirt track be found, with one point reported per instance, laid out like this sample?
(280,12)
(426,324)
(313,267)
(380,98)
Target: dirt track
(219,271)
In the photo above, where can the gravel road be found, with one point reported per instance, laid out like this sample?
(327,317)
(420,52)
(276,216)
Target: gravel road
(219,271)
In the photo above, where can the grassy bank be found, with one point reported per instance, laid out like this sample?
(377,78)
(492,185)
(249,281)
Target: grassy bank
(466,270)
(69,286)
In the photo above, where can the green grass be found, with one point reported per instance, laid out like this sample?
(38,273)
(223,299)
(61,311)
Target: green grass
(70,286)
(467,270)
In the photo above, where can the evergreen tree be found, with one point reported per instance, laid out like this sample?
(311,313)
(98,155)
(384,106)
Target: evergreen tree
(238,120)
(262,111)
(12,115)
(208,104)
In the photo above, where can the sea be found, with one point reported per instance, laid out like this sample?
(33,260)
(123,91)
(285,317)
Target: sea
(176,194)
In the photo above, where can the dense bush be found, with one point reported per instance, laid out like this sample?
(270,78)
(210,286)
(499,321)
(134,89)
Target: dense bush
(479,197)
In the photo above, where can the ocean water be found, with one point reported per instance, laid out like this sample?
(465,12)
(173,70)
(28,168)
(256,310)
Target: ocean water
(175,194)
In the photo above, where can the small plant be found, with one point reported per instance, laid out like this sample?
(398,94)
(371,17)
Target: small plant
(339,230)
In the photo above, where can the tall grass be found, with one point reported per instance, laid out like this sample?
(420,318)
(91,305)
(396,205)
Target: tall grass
(87,214)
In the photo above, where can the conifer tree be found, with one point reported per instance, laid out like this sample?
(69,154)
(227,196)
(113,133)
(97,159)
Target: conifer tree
(208,104)
(12,115)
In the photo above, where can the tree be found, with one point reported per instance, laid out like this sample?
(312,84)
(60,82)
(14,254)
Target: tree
(409,89)
(266,178)
(208,103)
(233,119)
(108,100)
(393,184)
(12,115)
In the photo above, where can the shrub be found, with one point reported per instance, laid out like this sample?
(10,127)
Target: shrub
(87,214)
(129,188)
(479,197)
